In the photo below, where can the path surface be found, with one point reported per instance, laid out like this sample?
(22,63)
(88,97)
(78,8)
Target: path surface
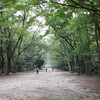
(57,85)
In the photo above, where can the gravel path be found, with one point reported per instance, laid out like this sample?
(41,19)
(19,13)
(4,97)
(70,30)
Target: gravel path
(57,85)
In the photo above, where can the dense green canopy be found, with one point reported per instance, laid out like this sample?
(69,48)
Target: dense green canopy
(71,40)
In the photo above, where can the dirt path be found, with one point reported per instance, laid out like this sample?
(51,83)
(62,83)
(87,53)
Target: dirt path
(49,85)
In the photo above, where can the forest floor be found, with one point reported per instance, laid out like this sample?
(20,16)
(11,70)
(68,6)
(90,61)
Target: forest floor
(57,85)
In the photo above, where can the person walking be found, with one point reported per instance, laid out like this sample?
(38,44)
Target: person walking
(52,68)
(46,69)
(37,70)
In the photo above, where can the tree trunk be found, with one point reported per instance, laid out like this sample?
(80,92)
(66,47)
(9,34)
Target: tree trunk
(69,65)
(98,48)
(88,65)
(79,68)
(72,65)
(99,65)
(9,64)
(75,63)
(2,61)
(8,47)
(88,57)
(2,64)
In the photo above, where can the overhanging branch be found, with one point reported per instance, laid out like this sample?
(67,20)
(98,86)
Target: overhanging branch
(79,6)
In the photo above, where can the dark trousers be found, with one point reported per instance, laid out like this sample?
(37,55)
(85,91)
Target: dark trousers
(37,71)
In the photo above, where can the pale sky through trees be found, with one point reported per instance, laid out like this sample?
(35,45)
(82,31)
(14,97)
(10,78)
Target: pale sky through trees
(34,27)
(40,19)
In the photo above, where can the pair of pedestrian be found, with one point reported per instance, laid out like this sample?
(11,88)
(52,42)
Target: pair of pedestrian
(37,70)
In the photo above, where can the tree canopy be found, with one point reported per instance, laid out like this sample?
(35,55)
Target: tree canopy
(71,38)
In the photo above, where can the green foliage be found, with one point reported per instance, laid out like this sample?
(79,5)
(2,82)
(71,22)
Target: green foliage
(39,63)
(65,68)
(7,2)
(77,30)
(34,2)
(73,30)
(21,7)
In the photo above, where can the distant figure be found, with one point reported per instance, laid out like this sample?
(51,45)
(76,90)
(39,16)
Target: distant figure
(46,69)
(37,70)
(52,68)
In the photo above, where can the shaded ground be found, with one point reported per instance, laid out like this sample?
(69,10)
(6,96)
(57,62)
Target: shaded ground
(57,85)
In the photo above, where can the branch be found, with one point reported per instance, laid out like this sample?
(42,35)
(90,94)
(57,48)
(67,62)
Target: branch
(24,49)
(15,46)
(38,57)
(20,44)
(67,41)
(30,42)
(33,56)
(64,4)
(94,10)
(43,2)
(79,6)
(63,37)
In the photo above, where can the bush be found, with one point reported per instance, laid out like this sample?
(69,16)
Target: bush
(66,68)
(94,70)
(76,69)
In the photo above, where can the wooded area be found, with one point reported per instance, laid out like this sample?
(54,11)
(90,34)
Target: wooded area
(73,31)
